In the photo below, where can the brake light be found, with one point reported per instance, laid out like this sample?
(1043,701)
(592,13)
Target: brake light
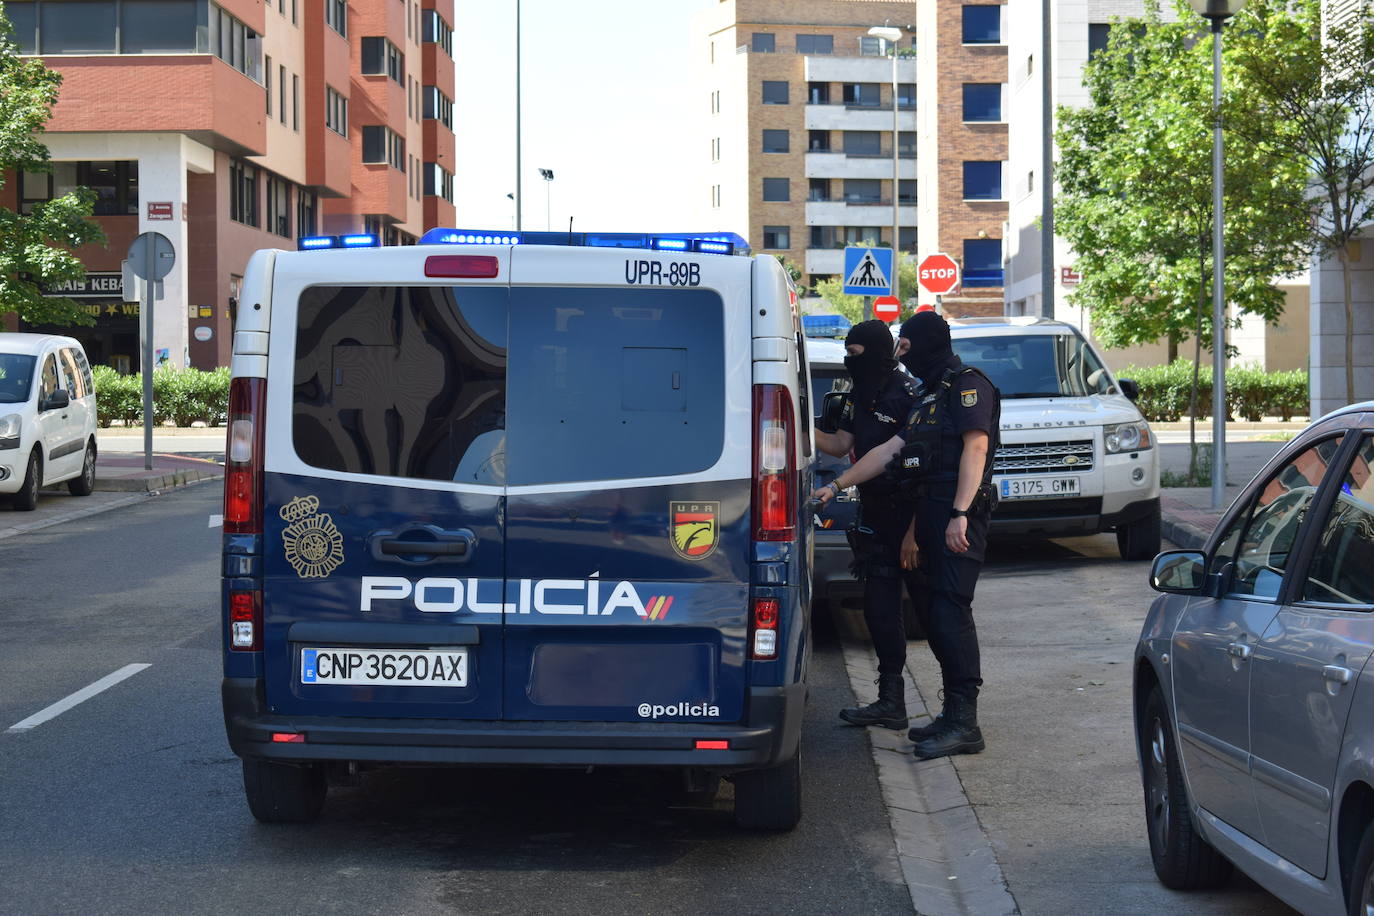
(475,266)
(243,457)
(775,466)
(764,641)
(706,744)
(245,621)
(288,738)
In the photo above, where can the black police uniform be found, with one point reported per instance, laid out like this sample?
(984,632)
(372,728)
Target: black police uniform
(872,424)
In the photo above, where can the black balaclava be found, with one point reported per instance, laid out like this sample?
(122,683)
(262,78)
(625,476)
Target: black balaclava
(930,352)
(870,367)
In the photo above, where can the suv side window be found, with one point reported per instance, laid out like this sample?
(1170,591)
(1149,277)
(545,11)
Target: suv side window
(1260,539)
(402,381)
(49,381)
(1342,569)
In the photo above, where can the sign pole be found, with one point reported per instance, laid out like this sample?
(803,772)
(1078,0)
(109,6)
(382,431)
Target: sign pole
(149,288)
(868,307)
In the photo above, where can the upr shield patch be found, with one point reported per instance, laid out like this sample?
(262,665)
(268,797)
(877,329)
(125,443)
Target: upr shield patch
(969,398)
(312,543)
(694,528)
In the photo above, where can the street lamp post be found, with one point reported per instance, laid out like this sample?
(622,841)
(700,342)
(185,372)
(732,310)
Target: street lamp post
(547,175)
(892,35)
(519,199)
(1218,11)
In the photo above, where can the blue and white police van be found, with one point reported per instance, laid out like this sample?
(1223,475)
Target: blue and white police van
(518,499)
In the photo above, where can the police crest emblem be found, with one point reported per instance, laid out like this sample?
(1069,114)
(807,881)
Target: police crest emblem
(969,398)
(694,528)
(313,545)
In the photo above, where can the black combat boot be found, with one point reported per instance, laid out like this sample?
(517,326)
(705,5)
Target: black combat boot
(957,731)
(889,710)
(931,727)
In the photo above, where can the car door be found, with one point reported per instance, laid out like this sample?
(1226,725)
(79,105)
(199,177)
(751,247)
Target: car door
(1306,666)
(55,425)
(1216,637)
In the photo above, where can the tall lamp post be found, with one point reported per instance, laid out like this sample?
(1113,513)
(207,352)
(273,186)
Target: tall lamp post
(892,35)
(547,175)
(1218,11)
(519,198)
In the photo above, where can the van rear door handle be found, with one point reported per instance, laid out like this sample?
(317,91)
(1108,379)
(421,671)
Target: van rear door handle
(1337,673)
(421,544)
(395,547)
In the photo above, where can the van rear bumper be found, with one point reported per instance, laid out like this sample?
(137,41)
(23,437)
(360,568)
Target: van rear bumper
(768,736)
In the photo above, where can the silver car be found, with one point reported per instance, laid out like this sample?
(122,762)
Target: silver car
(1254,703)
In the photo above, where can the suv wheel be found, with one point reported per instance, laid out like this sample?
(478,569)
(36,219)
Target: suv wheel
(26,500)
(85,484)
(284,793)
(769,799)
(1182,858)
(1139,540)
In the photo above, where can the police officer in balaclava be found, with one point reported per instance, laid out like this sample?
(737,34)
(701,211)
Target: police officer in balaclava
(942,458)
(880,400)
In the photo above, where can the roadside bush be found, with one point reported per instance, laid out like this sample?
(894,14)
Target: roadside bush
(1251,393)
(180,396)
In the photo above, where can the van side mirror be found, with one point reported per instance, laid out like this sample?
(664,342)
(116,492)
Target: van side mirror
(1130,388)
(58,399)
(832,410)
(1179,572)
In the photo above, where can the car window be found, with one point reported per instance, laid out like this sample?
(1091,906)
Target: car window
(16,377)
(1037,365)
(1260,539)
(49,381)
(1342,569)
(75,381)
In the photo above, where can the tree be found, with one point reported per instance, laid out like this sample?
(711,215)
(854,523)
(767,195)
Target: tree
(36,248)
(1311,79)
(1135,172)
(852,307)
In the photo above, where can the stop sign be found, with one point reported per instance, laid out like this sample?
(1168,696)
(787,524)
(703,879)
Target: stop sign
(886,307)
(938,274)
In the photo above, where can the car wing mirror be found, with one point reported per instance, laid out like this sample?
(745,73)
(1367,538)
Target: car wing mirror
(1180,572)
(58,399)
(1130,388)
(832,410)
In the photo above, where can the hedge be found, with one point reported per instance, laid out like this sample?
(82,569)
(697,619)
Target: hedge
(180,396)
(1251,393)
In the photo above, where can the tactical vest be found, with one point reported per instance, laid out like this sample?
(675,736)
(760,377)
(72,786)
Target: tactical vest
(933,443)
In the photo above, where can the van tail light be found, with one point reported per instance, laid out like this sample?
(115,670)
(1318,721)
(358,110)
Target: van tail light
(245,620)
(763,625)
(243,458)
(775,465)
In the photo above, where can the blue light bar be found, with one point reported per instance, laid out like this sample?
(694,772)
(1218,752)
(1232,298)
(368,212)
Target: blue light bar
(469,237)
(710,246)
(702,242)
(312,242)
(358,240)
(673,244)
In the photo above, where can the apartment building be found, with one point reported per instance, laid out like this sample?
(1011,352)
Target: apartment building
(797,127)
(232,126)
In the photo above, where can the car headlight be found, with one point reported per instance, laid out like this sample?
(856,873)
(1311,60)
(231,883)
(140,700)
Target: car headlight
(1127,437)
(9,431)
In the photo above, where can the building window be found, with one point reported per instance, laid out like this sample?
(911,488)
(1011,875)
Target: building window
(1097,37)
(307,206)
(818,190)
(982,262)
(715,149)
(281,93)
(777,237)
(863,235)
(380,56)
(115,184)
(775,92)
(982,25)
(863,191)
(863,143)
(815,44)
(906,96)
(775,141)
(906,191)
(870,47)
(982,101)
(232,42)
(763,43)
(335,111)
(336,15)
(818,141)
(437,31)
(278,206)
(982,181)
(715,196)
(438,106)
(777,189)
(862,95)
(243,192)
(824,237)
(384,145)
(907,239)
(906,144)
(267,82)
(818,93)
(295,102)
(1030,181)
(438,181)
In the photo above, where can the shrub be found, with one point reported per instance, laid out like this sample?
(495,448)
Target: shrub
(180,396)
(1251,393)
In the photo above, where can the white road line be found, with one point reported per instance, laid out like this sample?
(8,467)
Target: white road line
(81,696)
(216,521)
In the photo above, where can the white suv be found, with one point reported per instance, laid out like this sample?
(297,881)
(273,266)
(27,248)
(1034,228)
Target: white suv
(1076,455)
(47,417)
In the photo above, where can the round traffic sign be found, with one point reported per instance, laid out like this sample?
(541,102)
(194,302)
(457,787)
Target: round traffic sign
(151,252)
(887,307)
(938,274)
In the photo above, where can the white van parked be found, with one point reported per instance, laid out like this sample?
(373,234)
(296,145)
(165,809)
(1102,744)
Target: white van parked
(47,417)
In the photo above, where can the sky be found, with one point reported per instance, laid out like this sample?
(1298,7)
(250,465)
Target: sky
(606,106)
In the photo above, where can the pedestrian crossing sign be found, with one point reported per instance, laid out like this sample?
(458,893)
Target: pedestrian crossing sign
(868,271)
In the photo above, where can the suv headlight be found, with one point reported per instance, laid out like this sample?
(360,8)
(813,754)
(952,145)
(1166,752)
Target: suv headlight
(9,431)
(1127,437)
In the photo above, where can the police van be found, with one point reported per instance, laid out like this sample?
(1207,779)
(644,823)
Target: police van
(518,499)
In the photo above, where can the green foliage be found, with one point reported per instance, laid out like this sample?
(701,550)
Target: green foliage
(181,396)
(852,307)
(1136,174)
(1201,474)
(36,248)
(1251,393)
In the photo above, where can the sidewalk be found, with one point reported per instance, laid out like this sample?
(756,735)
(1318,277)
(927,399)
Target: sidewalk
(124,472)
(1187,515)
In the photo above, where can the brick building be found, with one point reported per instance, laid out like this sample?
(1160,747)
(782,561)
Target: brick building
(232,126)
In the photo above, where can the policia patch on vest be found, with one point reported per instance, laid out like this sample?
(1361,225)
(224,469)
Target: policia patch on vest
(969,398)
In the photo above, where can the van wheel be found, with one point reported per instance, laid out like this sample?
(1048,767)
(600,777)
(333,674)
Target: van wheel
(1139,540)
(284,793)
(769,799)
(26,500)
(85,484)
(1183,860)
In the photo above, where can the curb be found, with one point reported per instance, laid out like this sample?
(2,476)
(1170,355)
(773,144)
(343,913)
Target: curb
(1181,533)
(149,484)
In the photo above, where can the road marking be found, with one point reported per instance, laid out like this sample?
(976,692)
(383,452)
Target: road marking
(216,521)
(81,696)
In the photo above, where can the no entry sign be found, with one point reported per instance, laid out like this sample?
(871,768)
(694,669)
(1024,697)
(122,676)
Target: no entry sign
(938,274)
(886,307)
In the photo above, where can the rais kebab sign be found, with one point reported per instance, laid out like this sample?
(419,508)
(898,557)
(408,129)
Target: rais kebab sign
(101,285)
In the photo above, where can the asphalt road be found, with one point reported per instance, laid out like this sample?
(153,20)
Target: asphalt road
(130,802)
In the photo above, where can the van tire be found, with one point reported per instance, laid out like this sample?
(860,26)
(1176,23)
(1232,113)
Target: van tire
(1139,540)
(769,799)
(26,498)
(284,793)
(85,484)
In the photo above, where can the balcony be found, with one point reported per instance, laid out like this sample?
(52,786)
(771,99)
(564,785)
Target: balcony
(824,261)
(853,213)
(820,116)
(832,164)
(824,68)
